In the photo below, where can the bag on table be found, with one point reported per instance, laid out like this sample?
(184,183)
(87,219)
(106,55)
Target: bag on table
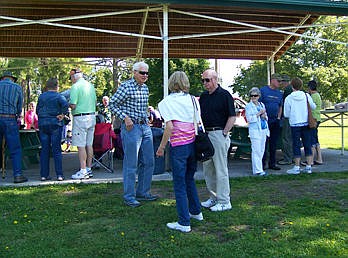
(203,146)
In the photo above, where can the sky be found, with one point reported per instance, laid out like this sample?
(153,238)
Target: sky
(227,69)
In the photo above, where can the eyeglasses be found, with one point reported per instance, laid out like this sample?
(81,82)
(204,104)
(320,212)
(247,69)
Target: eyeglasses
(254,96)
(205,80)
(143,72)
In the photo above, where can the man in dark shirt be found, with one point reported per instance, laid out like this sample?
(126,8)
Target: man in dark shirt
(272,97)
(218,115)
(11,101)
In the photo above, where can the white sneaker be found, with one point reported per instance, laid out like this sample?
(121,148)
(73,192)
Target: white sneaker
(221,207)
(294,171)
(89,172)
(80,175)
(308,170)
(209,203)
(177,226)
(199,216)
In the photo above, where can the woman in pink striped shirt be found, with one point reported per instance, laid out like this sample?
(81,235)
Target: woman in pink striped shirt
(177,110)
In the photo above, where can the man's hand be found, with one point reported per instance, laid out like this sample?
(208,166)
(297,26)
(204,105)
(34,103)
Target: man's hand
(129,123)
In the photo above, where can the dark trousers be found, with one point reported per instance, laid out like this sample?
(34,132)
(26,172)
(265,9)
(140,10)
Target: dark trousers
(271,144)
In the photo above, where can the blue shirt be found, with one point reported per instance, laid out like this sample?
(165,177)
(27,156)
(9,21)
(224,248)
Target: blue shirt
(11,97)
(51,104)
(130,99)
(273,100)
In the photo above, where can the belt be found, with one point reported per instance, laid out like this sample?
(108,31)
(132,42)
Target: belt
(213,128)
(140,121)
(7,115)
(85,114)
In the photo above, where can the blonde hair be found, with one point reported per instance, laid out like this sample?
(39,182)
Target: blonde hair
(179,81)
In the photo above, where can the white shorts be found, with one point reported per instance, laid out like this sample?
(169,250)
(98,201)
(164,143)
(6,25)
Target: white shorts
(83,130)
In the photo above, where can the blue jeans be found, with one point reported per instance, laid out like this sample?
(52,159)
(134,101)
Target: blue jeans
(301,133)
(50,137)
(9,130)
(138,159)
(184,166)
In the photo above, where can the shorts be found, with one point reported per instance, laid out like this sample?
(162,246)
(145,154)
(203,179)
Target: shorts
(83,130)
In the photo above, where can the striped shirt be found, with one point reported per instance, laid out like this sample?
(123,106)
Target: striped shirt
(11,98)
(130,99)
(183,133)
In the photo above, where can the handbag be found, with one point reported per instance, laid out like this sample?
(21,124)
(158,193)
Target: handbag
(203,147)
(312,122)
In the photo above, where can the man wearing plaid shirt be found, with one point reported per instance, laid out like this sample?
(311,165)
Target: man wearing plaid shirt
(130,104)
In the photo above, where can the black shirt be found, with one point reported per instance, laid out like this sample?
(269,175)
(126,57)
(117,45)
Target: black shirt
(216,108)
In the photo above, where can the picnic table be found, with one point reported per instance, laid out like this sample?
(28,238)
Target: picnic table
(337,116)
(240,139)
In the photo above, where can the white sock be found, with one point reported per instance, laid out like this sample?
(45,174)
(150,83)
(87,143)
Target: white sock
(83,170)
(296,167)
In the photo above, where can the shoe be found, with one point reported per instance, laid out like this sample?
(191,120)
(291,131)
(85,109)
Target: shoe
(274,167)
(45,178)
(307,170)
(177,226)
(148,197)
(199,216)
(318,163)
(60,178)
(284,162)
(221,207)
(293,171)
(132,203)
(208,203)
(20,179)
(262,174)
(89,172)
(80,175)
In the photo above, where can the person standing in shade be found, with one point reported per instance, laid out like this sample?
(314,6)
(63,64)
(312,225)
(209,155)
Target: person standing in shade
(11,101)
(104,110)
(31,118)
(272,98)
(286,129)
(218,116)
(83,103)
(295,108)
(312,85)
(178,112)
(256,115)
(129,104)
(51,108)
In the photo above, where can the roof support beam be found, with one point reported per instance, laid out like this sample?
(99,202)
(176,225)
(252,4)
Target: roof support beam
(141,39)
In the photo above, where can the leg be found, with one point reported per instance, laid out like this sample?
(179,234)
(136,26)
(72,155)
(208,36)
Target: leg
(131,144)
(274,135)
(286,141)
(45,151)
(147,160)
(14,145)
(257,151)
(56,149)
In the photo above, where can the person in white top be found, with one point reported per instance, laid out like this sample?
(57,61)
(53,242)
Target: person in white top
(295,108)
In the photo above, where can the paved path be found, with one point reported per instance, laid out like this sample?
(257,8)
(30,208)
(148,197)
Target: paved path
(333,162)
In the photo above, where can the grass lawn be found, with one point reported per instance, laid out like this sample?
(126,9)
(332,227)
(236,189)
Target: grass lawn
(276,216)
(330,137)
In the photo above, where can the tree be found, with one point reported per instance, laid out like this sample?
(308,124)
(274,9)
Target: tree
(309,59)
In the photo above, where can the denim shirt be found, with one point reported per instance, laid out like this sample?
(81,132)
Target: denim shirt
(51,104)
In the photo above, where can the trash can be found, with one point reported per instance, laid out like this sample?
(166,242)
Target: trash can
(157,134)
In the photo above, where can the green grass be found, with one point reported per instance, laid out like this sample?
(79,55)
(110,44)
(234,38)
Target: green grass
(276,216)
(330,137)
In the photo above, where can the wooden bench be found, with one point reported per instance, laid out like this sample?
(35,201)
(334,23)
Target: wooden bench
(240,139)
(31,147)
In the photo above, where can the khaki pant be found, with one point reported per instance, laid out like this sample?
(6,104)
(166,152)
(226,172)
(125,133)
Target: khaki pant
(215,170)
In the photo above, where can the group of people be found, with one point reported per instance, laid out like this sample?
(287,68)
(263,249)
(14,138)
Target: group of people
(271,110)
(179,111)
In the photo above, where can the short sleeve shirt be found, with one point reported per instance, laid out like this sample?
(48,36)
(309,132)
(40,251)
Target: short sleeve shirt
(82,94)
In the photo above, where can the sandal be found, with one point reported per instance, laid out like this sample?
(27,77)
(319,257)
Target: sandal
(318,163)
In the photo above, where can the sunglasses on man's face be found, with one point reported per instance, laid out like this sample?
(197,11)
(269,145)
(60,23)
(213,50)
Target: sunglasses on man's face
(254,96)
(205,80)
(143,73)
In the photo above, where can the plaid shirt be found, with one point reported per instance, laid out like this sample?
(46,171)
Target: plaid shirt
(130,99)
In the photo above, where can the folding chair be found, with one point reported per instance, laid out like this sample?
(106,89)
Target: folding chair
(103,146)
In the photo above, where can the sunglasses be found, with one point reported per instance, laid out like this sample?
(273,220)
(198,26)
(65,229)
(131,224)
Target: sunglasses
(205,80)
(143,72)
(254,96)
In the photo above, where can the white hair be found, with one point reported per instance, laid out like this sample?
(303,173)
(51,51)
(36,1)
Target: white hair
(138,65)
